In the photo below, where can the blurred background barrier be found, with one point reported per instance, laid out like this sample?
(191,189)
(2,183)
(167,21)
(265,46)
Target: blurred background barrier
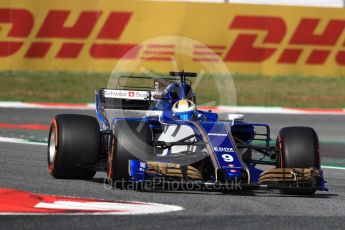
(89,35)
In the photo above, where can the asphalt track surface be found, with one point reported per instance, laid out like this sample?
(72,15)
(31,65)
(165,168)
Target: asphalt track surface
(24,167)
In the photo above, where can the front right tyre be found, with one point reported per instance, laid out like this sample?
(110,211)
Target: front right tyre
(298,148)
(133,140)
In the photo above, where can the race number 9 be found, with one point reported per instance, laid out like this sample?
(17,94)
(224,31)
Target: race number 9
(227,158)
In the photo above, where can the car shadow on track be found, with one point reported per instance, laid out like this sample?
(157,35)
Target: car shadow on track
(246,193)
(261,193)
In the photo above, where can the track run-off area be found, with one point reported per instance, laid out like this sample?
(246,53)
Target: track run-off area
(23,171)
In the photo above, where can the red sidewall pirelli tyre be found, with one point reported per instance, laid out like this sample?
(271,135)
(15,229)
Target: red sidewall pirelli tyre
(73,144)
(131,139)
(298,148)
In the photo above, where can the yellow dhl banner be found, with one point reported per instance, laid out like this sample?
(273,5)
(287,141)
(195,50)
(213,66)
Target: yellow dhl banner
(97,35)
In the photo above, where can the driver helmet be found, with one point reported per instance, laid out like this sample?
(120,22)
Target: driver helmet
(184,110)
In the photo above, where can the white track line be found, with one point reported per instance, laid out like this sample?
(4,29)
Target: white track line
(110,208)
(21,141)
(279,110)
(227,109)
(103,208)
(332,167)
(27,105)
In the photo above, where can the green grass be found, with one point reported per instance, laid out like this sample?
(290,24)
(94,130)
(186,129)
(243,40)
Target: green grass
(50,86)
(287,91)
(291,91)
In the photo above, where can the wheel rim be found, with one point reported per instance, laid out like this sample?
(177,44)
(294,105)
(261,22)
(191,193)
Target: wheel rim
(52,146)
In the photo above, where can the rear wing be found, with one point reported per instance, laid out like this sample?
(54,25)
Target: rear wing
(135,93)
(124,99)
(121,99)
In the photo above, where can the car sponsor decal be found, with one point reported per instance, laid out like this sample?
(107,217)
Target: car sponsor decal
(218,134)
(126,94)
(227,158)
(224,149)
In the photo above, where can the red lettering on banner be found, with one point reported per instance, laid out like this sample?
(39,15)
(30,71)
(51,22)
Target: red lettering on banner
(38,50)
(341,58)
(290,56)
(9,48)
(305,32)
(70,50)
(318,56)
(117,51)
(158,52)
(305,35)
(53,26)
(112,29)
(22,22)
(243,49)
(115,25)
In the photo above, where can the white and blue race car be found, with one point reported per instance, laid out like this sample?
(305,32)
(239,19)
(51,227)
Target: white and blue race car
(166,139)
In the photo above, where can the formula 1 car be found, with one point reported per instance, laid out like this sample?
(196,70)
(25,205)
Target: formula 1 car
(166,137)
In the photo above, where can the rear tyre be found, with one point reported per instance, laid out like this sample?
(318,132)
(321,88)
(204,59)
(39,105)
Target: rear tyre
(298,148)
(73,145)
(132,140)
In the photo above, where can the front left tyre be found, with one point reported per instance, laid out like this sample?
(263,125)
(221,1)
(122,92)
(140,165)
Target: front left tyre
(73,146)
